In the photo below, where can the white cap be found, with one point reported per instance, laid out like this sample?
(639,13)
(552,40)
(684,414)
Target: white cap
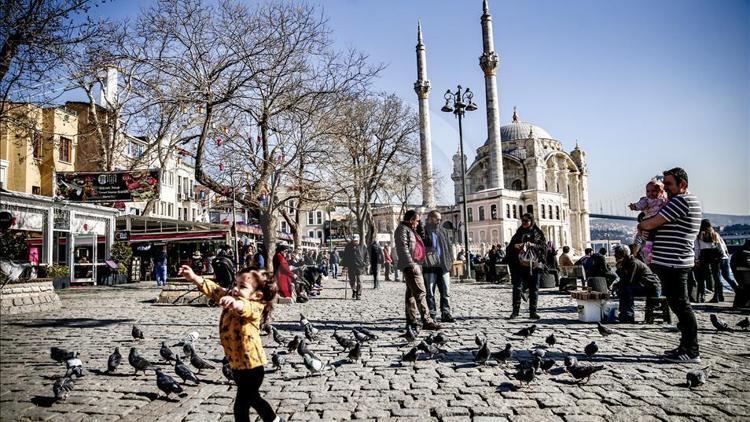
(355,237)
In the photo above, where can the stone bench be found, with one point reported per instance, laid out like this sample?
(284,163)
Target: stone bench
(177,291)
(33,296)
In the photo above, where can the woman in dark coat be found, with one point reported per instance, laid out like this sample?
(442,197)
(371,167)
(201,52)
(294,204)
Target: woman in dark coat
(528,242)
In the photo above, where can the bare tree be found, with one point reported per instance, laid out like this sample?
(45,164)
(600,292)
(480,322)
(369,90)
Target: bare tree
(377,131)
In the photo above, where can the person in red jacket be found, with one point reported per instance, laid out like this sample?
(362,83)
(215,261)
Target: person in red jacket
(283,274)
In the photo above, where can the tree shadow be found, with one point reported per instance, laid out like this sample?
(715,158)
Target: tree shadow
(109,374)
(70,323)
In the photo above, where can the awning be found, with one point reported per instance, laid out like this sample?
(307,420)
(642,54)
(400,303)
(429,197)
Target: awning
(165,237)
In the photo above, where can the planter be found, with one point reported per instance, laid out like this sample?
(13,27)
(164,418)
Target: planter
(33,296)
(61,282)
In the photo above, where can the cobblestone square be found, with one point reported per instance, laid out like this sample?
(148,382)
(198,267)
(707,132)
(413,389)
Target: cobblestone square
(634,386)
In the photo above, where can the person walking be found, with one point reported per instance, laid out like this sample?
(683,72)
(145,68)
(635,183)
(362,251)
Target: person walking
(708,254)
(437,267)
(160,266)
(526,255)
(411,253)
(678,224)
(355,261)
(376,259)
(387,262)
(335,261)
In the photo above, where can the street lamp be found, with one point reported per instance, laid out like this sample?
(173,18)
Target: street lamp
(459,103)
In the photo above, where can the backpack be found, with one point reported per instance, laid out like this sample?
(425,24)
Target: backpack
(223,271)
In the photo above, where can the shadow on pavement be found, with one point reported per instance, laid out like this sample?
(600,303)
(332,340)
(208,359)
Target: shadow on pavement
(505,387)
(70,322)
(43,401)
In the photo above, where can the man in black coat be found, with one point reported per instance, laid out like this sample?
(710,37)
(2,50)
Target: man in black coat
(437,266)
(376,259)
(355,261)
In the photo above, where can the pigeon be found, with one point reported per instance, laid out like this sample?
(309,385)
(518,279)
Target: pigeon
(479,341)
(719,324)
(604,331)
(744,324)
(61,355)
(293,344)
(580,372)
(698,377)
(313,363)
(550,340)
(570,361)
(538,353)
(439,339)
(536,363)
(137,333)
(277,337)
(267,329)
(277,360)
(591,349)
(114,360)
(503,355)
(367,332)
(355,353)
(305,323)
(190,338)
(166,353)
(310,332)
(429,349)
(188,349)
(547,364)
(167,384)
(360,337)
(343,341)
(226,369)
(62,387)
(410,334)
(74,367)
(184,372)
(526,331)
(525,374)
(200,363)
(482,354)
(138,362)
(411,355)
(302,348)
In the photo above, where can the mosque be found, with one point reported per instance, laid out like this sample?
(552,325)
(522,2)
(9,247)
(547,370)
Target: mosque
(520,168)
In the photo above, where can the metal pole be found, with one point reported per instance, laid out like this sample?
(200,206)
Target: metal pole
(467,270)
(234,225)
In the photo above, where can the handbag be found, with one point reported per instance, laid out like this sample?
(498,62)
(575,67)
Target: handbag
(431,260)
(526,258)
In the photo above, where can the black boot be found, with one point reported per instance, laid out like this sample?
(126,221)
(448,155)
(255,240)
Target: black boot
(516,309)
(533,298)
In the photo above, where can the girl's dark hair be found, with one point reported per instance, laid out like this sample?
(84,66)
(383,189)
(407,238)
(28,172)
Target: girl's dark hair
(267,287)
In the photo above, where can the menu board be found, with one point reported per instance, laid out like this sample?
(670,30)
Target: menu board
(111,186)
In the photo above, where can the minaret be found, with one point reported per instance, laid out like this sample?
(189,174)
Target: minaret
(422,88)
(489,61)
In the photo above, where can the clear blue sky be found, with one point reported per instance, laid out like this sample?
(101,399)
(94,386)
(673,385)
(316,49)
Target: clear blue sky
(642,85)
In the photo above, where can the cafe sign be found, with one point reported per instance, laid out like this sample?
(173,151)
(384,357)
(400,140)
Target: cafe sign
(112,186)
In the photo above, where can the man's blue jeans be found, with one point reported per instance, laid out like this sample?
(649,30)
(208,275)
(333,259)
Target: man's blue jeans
(335,270)
(442,282)
(160,273)
(630,291)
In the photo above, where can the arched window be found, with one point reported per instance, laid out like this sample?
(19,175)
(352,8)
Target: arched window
(470,215)
(544,215)
(507,210)
(482,236)
(515,212)
(520,210)
(493,212)
(495,239)
(516,185)
(557,212)
(481,213)
(530,209)
(549,211)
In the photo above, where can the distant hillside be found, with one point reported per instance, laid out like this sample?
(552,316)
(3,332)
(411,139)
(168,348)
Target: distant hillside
(727,219)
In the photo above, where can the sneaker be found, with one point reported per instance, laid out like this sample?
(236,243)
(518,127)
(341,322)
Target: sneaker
(447,319)
(534,315)
(682,358)
(675,351)
(513,315)
(431,326)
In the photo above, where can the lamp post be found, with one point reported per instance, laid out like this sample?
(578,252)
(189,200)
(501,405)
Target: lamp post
(459,103)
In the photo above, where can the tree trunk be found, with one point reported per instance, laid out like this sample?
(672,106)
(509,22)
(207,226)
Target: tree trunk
(268,226)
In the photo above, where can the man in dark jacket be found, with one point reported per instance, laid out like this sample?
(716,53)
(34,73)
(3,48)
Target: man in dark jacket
(437,267)
(636,279)
(411,253)
(376,259)
(355,261)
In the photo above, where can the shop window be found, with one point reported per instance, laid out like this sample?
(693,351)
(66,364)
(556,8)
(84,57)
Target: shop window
(507,210)
(66,147)
(470,214)
(493,212)
(481,213)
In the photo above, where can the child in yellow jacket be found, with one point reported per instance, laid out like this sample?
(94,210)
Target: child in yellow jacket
(247,306)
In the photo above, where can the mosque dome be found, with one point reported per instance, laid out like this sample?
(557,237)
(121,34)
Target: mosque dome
(520,130)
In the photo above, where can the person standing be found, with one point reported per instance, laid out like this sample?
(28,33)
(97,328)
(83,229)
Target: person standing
(355,261)
(673,257)
(490,265)
(160,266)
(387,262)
(440,252)
(282,273)
(335,261)
(526,256)
(411,253)
(708,255)
(376,259)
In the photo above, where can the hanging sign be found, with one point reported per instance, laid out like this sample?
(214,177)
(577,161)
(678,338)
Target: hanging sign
(113,186)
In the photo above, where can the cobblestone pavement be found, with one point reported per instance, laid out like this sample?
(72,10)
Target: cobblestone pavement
(635,386)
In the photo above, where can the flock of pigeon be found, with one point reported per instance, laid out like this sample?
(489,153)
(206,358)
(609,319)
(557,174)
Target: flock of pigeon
(430,346)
